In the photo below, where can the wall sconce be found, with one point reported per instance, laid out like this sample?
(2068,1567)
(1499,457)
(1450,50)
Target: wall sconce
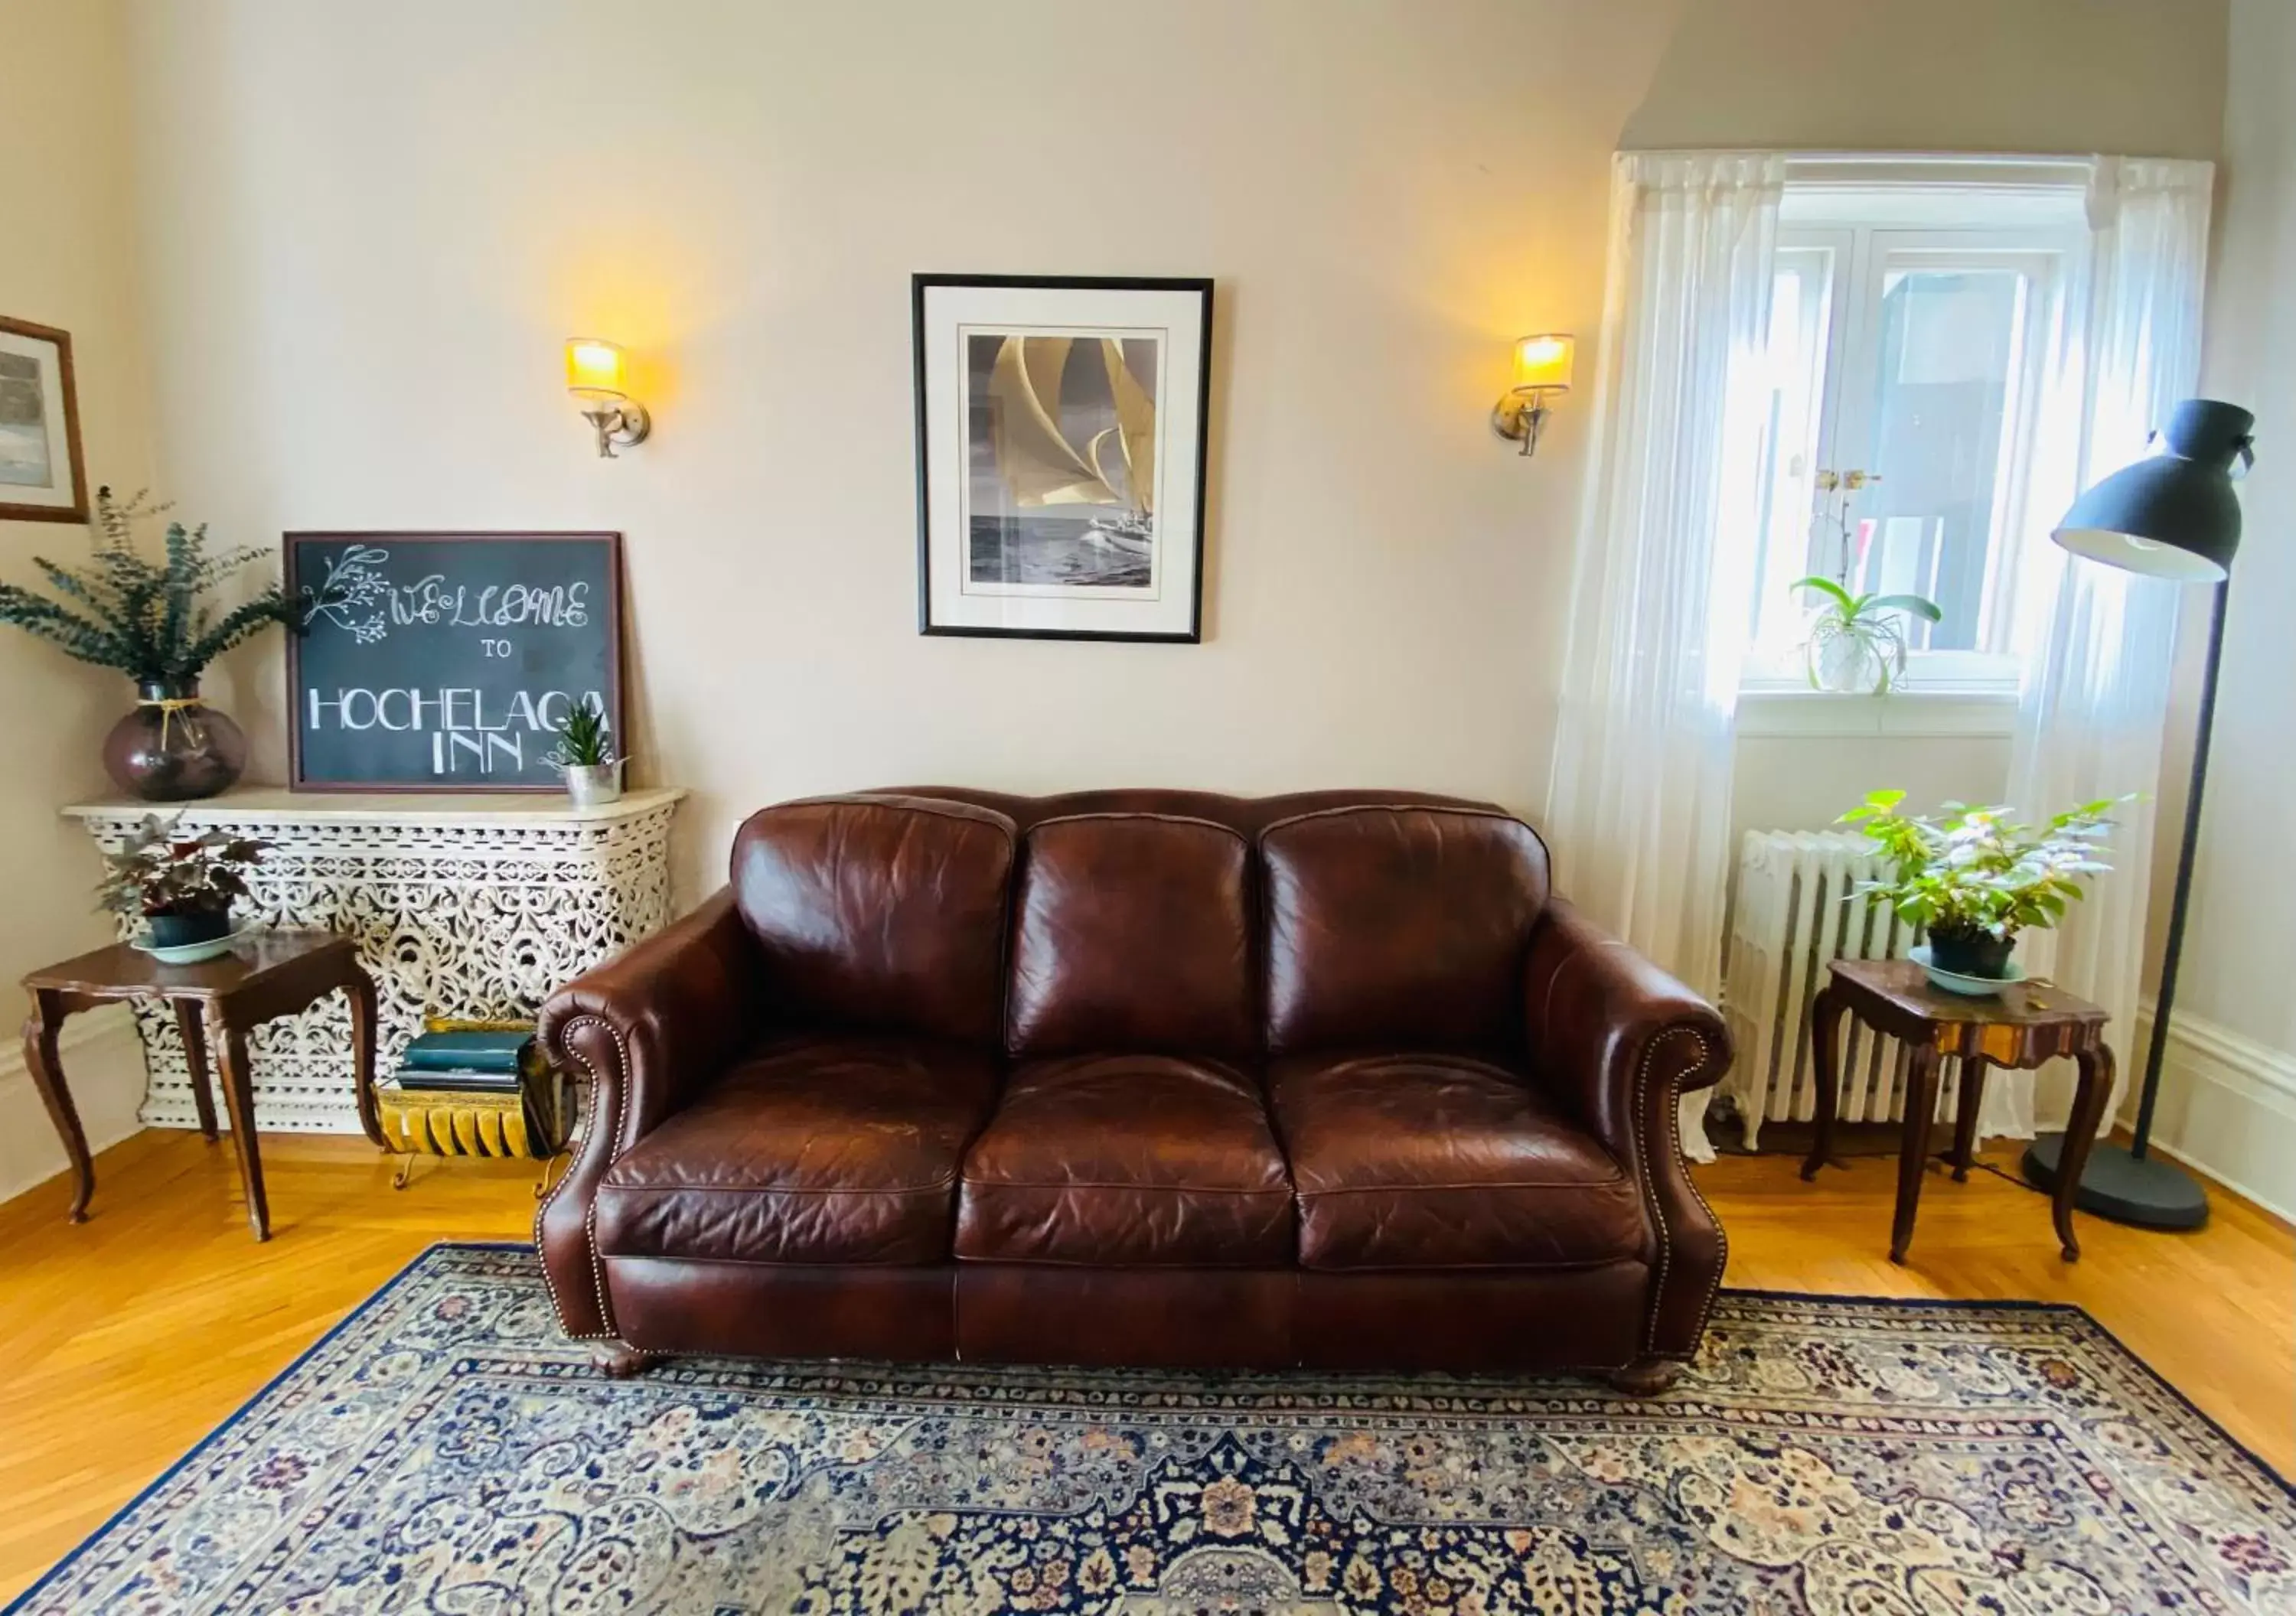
(596,375)
(1542,366)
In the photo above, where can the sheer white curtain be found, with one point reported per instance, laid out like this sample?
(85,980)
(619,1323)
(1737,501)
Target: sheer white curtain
(2099,643)
(1638,804)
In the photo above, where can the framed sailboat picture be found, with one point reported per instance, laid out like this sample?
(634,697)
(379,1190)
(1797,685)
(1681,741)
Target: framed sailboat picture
(1060,431)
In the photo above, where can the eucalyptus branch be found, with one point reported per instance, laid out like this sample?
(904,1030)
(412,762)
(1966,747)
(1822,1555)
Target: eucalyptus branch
(74,635)
(154,621)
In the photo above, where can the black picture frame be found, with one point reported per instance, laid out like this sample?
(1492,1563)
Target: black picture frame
(300,776)
(1192,541)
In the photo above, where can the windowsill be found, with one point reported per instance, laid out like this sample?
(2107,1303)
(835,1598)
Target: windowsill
(1774,708)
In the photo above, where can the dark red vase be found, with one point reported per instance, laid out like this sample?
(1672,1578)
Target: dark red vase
(172,748)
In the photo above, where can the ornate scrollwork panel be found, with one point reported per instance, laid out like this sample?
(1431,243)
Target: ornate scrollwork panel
(456,918)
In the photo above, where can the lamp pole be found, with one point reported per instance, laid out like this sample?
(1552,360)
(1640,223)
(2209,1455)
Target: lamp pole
(2172,952)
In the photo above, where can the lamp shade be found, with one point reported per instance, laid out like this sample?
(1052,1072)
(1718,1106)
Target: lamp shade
(594,369)
(2172,514)
(1543,362)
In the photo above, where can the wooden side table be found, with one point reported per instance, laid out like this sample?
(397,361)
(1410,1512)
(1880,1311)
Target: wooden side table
(266,974)
(2025,1024)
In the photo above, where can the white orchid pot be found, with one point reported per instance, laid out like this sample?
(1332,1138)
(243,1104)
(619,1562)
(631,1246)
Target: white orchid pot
(1863,659)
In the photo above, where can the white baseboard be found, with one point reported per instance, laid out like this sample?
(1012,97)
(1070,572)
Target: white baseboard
(2227,1107)
(103,1067)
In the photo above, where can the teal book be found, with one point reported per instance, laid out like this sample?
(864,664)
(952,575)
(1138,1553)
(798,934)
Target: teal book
(476,1051)
(466,1079)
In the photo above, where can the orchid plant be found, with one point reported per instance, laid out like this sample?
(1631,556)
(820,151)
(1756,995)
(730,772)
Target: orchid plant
(1856,643)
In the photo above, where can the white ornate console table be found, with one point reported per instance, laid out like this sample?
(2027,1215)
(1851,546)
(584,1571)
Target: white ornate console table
(466,906)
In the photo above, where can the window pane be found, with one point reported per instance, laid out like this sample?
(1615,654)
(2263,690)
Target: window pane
(1948,360)
(1799,315)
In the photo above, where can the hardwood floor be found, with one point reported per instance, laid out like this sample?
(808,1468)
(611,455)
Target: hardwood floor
(129,1338)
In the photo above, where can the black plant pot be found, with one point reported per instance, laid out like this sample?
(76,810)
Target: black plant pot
(1979,954)
(180,931)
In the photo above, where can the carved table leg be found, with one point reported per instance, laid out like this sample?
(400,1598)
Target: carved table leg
(2096,1067)
(48,1012)
(1964,1117)
(195,1058)
(359,988)
(1825,1047)
(238,1095)
(1914,1148)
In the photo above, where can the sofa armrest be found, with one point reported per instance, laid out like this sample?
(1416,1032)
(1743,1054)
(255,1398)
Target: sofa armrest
(1619,1041)
(641,1034)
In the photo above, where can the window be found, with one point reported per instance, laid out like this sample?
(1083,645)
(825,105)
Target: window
(1912,335)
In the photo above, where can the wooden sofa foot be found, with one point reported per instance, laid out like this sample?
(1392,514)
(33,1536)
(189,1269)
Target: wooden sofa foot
(619,1362)
(1645,1377)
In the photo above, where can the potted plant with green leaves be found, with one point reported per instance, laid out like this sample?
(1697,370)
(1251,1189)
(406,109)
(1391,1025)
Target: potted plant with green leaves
(1973,879)
(160,624)
(585,754)
(181,887)
(1856,643)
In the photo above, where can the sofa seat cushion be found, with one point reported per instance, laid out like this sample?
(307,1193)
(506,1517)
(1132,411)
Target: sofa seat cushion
(1129,1161)
(833,1149)
(1444,1162)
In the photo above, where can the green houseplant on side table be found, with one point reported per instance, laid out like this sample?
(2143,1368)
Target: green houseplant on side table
(1973,878)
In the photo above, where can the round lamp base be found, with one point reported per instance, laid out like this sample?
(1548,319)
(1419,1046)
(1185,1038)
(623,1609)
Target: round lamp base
(2145,1191)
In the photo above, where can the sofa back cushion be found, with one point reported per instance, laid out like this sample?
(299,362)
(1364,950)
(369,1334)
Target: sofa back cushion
(1132,935)
(1400,927)
(879,913)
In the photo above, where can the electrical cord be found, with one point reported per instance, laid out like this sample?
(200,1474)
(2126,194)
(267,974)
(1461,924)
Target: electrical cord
(2002,1173)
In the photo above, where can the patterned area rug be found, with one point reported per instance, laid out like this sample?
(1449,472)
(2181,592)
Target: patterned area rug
(444,1450)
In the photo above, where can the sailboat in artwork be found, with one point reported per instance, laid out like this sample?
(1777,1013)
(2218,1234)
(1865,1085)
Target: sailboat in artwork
(1113,470)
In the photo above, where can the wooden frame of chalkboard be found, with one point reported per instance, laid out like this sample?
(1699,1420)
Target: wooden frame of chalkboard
(463,757)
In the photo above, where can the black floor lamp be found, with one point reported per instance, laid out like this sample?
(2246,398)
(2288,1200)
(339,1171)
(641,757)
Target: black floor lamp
(2172,516)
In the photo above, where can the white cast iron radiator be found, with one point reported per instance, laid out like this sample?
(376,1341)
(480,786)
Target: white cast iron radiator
(1795,911)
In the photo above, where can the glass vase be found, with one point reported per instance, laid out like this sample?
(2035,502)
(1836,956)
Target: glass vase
(173,747)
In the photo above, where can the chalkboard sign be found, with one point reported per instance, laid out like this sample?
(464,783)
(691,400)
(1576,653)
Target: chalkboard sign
(445,661)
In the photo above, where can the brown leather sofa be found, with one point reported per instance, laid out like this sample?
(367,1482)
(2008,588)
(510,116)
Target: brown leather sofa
(1135,1077)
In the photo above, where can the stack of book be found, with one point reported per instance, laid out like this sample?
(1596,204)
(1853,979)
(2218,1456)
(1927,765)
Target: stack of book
(470,1060)
(472,1088)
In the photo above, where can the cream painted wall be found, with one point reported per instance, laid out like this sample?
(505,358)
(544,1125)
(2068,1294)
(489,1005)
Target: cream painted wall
(377,223)
(2246,897)
(2229,1091)
(2134,77)
(1799,783)
(380,223)
(67,260)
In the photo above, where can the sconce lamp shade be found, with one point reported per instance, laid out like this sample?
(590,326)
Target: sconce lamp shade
(1543,363)
(594,369)
(2172,514)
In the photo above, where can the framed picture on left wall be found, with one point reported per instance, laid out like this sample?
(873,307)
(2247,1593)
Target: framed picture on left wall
(42,476)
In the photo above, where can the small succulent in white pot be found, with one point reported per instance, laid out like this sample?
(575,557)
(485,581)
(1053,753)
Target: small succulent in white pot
(585,754)
(1856,643)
